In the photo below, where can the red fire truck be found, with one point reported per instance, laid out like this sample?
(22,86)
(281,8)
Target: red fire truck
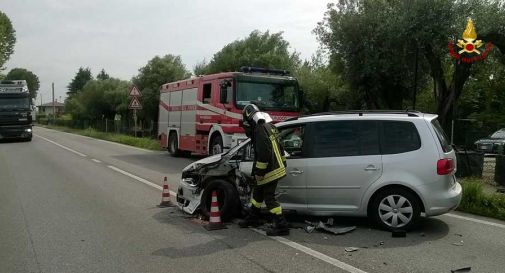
(201,115)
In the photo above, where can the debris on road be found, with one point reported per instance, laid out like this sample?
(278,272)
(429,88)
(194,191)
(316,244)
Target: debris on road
(460,243)
(457,234)
(422,234)
(327,227)
(351,249)
(461,270)
(399,234)
(309,229)
(336,231)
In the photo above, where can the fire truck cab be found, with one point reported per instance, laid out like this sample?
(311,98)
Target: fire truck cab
(201,115)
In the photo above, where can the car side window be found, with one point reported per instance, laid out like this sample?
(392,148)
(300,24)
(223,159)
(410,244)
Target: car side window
(345,138)
(291,139)
(399,137)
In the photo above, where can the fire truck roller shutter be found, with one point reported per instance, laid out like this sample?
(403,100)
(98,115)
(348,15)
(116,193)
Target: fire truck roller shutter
(188,119)
(163,119)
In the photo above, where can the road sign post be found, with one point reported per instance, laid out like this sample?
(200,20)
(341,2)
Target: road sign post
(134,95)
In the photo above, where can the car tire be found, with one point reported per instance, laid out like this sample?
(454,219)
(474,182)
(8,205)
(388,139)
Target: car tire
(216,145)
(395,209)
(173,145)
(227,197)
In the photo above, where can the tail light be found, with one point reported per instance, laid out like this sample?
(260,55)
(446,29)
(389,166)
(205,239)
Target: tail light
(445,166)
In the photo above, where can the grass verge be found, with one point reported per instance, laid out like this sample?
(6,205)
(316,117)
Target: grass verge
(476,201)
(140,142)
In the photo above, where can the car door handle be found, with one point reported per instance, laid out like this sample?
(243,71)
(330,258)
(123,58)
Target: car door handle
(371,168)
(296,172)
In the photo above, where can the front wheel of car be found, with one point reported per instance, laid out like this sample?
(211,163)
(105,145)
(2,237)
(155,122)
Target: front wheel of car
(227,197)
(395,209)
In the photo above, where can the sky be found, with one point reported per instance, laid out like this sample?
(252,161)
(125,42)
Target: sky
(56,37)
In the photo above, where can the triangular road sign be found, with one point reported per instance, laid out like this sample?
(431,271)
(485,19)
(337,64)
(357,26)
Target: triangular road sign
(135,104)
(134,92)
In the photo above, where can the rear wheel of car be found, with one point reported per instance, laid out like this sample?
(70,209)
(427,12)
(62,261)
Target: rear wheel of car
(227,197)
(173,145)
(395,209)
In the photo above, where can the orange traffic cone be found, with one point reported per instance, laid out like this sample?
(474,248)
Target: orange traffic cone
(165,195)
(215,216)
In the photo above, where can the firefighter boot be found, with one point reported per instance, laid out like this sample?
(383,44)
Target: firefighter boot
(252,219)
(280,227)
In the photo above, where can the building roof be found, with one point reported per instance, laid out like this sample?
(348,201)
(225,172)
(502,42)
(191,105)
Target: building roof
(50,104)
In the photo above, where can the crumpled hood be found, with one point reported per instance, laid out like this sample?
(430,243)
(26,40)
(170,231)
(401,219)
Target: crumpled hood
(205,161)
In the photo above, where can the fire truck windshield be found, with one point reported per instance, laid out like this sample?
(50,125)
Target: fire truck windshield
(14,103)
(269,95)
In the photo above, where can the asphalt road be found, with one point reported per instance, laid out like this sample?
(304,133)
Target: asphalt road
(74,204)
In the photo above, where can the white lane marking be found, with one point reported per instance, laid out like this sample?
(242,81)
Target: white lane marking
(101,140)
(309,251)
(64,147)
(313,253)
(96,160)
(475,220)
(140,179)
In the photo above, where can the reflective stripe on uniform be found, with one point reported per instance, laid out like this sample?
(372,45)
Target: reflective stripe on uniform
(277,210)
(261,165)
(277,151)
(271,176)
(255,203)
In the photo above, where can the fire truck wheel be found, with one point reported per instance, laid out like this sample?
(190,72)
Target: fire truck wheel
(173,145)
(227,197)
(216,145)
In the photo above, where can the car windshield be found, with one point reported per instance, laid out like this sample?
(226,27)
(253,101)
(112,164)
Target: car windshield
(14,103)
(498,134)
(281,95)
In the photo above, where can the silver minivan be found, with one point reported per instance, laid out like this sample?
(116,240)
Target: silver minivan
(389,166)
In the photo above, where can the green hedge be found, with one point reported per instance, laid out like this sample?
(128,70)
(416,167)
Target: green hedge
(476,201)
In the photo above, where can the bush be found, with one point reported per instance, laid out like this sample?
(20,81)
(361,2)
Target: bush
(476,201)
(141,142)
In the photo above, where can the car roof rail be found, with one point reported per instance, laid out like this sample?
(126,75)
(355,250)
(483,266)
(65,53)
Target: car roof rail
(407,112)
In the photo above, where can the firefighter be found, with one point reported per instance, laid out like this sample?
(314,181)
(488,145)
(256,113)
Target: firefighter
(269,167)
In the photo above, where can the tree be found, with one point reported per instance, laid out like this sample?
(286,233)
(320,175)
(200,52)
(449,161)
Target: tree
(31,79)
(99,99)
(158,71)
(82,76)
(200,68)
(102,75)
(374,43)
(324,90)
(7,39)
(258,49)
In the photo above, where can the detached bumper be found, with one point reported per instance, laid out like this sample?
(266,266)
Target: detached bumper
(15,131)
(188,197)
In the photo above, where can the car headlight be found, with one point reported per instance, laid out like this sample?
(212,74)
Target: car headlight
(28,130)
(190,181)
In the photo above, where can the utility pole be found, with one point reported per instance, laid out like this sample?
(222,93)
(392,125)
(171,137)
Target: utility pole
(54,107)
(415,79)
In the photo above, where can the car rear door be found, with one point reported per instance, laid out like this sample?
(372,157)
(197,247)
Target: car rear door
(344,160)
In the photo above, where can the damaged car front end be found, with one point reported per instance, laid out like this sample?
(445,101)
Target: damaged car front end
(224,173)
